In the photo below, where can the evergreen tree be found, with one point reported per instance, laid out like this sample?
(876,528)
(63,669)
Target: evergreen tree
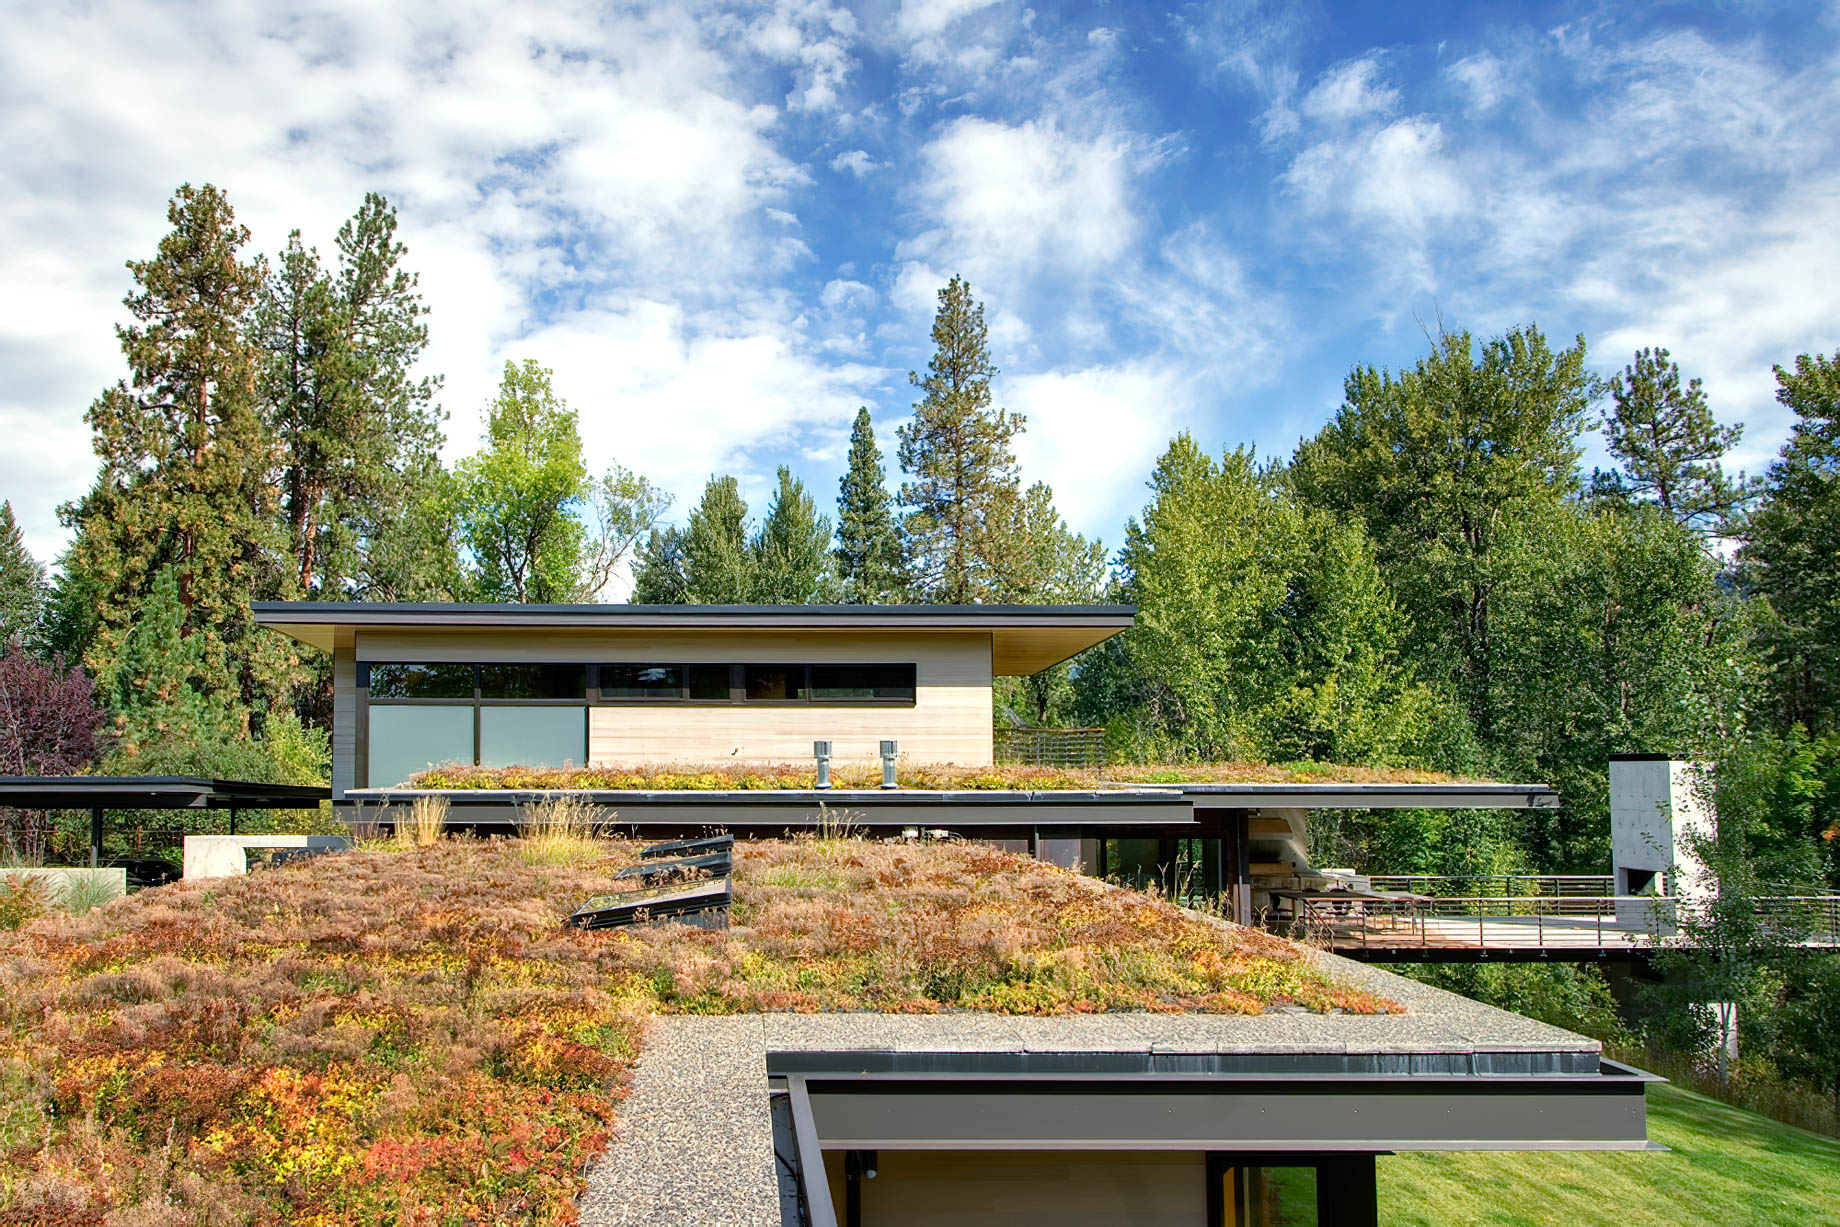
(957,453)
(22,583)
(718,567)
(519,494)
(1436,461)
(356,428)
(658,578)
(1791,542)
(186,461)
(791,550)
(868,543)
(1669,445)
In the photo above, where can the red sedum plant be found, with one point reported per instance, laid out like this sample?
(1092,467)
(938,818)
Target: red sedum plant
(414,1035)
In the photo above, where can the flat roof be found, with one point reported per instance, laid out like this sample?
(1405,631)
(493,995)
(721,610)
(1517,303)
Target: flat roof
(1454,794)
(1449,1073)
(153,792)
(1025,639)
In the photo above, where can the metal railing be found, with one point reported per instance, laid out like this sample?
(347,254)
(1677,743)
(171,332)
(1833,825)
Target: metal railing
(1536,922)
(1504,884)
(1051,747)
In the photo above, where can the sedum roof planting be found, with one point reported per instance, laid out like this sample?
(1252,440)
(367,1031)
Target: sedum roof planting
(384,1035)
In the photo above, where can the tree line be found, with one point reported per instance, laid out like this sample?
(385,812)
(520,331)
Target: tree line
(1430,580)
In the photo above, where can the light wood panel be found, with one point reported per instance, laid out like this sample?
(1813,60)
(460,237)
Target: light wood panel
(1027,1188)
(949,721)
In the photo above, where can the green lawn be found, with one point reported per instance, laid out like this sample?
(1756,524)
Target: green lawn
(1725,1166)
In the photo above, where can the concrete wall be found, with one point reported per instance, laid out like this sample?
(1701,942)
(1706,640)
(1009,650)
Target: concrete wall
(227,856)
(913,1188)
(949,721)
(1656,811)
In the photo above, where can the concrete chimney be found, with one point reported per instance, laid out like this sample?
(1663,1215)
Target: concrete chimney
(1656,813)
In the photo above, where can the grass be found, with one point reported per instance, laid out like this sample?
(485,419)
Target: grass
(412,1035)
(1726,1166)
(561,830)
(732,776)
(426,824)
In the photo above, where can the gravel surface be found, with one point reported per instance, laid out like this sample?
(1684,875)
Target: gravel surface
(695,1144)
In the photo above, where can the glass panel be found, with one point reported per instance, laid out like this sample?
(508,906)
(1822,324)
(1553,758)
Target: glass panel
(771,682)
(533,681)
(404,681)
(830,683)
(709,681)
(412,738)
(645,682)
(1135,862)
(533,736)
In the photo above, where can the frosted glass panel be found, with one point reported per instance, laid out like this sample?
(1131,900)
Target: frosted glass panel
(533,736)
(412,738)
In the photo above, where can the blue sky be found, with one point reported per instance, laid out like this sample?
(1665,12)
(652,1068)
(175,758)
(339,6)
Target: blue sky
(723,226)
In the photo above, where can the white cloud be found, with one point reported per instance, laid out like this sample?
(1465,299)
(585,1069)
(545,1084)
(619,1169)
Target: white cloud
(843,294)
(1348,92)
(546,162)
(1012,201)
(1481,78)
(920,19)
(1396,175)
(1094,434)
(856,161)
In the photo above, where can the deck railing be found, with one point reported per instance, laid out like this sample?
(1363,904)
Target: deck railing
(1504,884)
(1535,922)
(1051,747)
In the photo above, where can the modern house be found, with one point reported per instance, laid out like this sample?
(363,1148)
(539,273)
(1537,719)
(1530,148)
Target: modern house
(421,685)
(553,685)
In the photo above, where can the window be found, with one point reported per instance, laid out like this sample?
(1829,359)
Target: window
(533,681)
(773,683)
(424,715)
(409,737)
(710,683)
(842,683)
(647,682)
(421,681)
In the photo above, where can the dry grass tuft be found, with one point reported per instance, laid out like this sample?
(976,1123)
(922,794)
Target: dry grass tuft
(414,1036)
(562,830)
(426,824)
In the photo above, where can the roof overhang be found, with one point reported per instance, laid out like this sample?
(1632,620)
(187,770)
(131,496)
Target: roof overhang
(988,813)
(1224,1102)
(1456,795)
(1025,639)
(153,792)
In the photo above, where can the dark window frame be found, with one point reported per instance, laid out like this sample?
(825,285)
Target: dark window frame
(737,685)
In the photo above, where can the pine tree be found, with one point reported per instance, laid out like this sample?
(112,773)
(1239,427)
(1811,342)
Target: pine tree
(718,566)
(22,583)
(355,427)
(868,543)
(1670,446)
(791,551)
(186,462)
(957,452)
(169,717)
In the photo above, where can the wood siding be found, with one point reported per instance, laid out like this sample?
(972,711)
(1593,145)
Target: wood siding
(1027,1188)
(949,721)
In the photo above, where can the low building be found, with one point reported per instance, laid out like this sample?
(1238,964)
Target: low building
(419,685)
